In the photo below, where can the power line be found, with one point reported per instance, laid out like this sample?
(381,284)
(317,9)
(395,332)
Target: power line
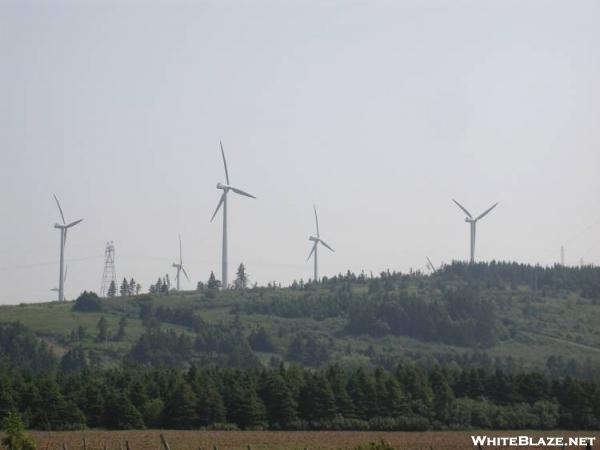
(585,230)
(48,263)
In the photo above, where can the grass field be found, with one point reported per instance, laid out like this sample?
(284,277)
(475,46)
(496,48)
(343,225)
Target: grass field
(262,440)
(536,326)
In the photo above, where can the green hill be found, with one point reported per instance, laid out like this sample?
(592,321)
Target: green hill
(502,315)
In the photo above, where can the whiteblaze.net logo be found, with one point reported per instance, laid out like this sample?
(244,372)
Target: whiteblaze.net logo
(528,441)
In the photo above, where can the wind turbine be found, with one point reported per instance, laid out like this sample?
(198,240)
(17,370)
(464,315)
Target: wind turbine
(473,223)
(64,280)
(63,241)
(430,265)
(223,202)
(317,240)
(179,266)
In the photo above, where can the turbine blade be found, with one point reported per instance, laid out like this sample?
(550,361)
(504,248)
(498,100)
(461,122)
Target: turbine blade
(239,191)
(224,162)
(463,208)
(60,209)
(431,266)
(185,273)
(72,224)
(219,205)
(316,220)
(312,250)
(323,242)
(486,211)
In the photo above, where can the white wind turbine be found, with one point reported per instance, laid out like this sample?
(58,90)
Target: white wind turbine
(469,219)
(179,266)
(317,240)
(63,241)
(223,201)
(64,279)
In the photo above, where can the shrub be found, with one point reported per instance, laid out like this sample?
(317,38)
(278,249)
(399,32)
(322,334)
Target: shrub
(14,431)
(88,302)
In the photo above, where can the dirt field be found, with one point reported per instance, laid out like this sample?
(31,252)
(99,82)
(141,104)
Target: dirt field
(261,440)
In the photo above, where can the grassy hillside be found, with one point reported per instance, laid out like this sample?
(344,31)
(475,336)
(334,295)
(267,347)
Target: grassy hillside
(508,315)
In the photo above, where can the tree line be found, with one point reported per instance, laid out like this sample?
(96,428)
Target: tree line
(295,398)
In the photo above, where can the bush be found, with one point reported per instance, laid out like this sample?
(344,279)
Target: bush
(88,302)
(14,434)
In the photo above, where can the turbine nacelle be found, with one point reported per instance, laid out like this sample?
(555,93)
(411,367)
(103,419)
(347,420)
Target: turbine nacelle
(72,224)
(222,186)
(312,238)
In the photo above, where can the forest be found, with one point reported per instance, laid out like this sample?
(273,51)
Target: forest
(499,345)
(296,398)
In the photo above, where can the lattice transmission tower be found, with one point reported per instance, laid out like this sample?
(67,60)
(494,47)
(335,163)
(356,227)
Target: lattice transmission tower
(109,275)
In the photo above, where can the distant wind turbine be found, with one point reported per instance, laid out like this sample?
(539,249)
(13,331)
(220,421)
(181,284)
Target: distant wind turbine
(430,265)
(223,201)
(179,266)
(314,249)
(63,241)
(473,223)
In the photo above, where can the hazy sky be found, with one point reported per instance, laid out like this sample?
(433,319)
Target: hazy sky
(378,112)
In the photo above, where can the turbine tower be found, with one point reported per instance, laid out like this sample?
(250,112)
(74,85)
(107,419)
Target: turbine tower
(223,202)
(179,266)
(64,279)
(473,223)
(317,240)
(63,241)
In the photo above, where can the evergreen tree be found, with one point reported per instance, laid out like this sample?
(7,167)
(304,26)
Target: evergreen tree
(14,433)
(210,407)
(365,395)
(212,282)
(102,329)
(81,333)
(241,280)
(180,409)
(443,397)
(131,288)
(74,360)
(245,408)
(395,403)
(52,411)
(124,291)
(343,401)
(279,401)
(120,414)
(87,302)
(112,289)
(92,403)
(7,402)
(316,400)
(121,331)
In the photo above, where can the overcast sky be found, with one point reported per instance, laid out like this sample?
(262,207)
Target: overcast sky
(378,112)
